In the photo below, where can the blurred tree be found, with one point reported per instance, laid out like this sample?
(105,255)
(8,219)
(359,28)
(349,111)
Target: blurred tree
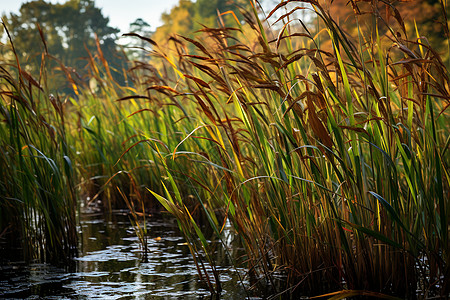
(427,14)
(179,20)
(430,18)
(69,29)
(188,16)
(206,10)
(136,48)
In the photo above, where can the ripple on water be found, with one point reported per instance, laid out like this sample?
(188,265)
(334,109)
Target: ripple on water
(111,253)
(110,267)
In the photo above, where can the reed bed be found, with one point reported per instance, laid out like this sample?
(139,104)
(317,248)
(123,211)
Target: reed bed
(327,151)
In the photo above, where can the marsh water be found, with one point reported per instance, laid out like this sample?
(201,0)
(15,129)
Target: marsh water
(110,266)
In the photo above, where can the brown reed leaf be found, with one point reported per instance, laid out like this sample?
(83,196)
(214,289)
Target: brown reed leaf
(284,3)
(280,38)
(197,80)
(291,60)
(41,33)
(215,31)
(289,13)
(30,79)
(211,73)
(353,128)
(141,110)
(141,37)
(396,15)
(197,44)
(163,89)
(198,57)
(239,47)
(205,108)
(316,125)
(269,86)
(133,97)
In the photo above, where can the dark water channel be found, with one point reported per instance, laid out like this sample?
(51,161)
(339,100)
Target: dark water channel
(109,266)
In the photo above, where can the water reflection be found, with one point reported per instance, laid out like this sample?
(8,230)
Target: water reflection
(109,266)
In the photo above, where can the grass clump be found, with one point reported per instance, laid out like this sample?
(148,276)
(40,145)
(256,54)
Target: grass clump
(37,194)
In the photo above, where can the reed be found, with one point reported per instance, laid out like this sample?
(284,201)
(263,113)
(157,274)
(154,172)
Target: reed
(38,204)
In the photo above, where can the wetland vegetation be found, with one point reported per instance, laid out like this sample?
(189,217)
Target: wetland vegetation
(316,132)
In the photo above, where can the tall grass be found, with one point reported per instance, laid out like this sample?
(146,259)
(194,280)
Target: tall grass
(112,131)
(327,151)
(37,195)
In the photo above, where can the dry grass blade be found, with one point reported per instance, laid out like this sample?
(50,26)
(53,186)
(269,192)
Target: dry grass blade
(149,40)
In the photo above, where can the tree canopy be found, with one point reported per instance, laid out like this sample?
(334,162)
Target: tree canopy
(69,29)
(135,48)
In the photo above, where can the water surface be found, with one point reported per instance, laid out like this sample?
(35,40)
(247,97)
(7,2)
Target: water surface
(110,266)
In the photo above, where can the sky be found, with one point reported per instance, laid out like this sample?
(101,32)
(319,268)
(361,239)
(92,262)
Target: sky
(120,12)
